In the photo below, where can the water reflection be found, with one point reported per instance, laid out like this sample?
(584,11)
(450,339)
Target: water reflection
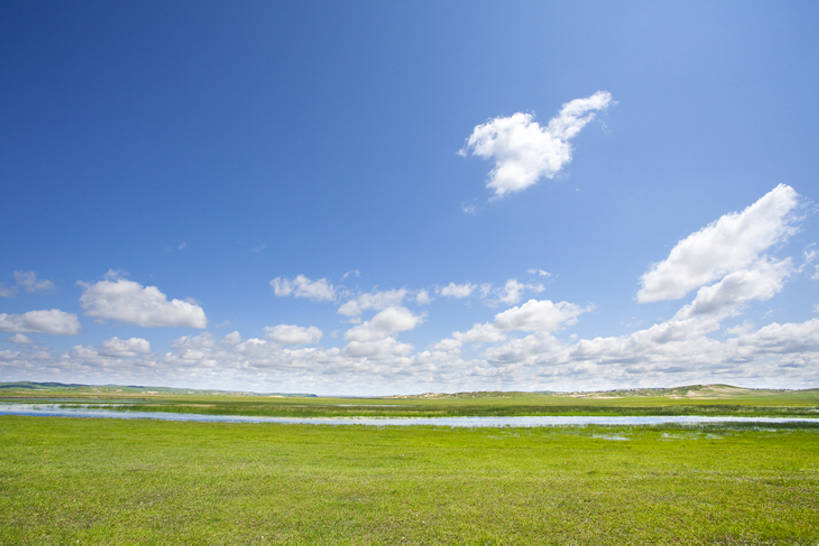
(54,410)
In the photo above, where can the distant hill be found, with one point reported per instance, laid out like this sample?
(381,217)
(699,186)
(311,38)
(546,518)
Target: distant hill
(78,388)
(686,391)
(713,391)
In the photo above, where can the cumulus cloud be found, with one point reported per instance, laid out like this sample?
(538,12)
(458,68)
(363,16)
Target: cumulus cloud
(21,339)
(479,334)
(513,290)
(373,300)
(385,323)
(459,291)
(51,321)
(130,302)
(524,151)
(290,334)
(732,242)
(538,316)
(29,282)
(124,347)
(761,281)
(233,338)
(680,353)
(385,347)
(303,287)
(790,337)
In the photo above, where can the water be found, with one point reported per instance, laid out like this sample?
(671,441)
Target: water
(54,410)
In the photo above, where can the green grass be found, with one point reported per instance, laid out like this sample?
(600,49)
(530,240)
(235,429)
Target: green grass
(102,480)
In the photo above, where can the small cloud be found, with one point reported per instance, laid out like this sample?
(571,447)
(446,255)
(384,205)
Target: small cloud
(423,297)
(458,291)
(50,321)
(513,291)
(384,324)
(181,246)
(539,272)
(114,274)
(291,334)
(373,300)
(28,281)
(524,151)
(233,338)
(352,273)
(20,338)
(130,302)
(470,209)
(258,248)
(124,348)
(302,287)
(538,316)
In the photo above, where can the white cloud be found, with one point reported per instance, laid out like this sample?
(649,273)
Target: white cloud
(124,347)
(52,321)
(373,300)
(386,347)
(761,281)
(30,283)
(538,272)
(385,323)
(532,350)
(233,338)
(734,241)
(459,291)
(538,316)
(21,339)
(784,338)
(480,334)
(810,254)
(130,302)
(303,287)
(423,297)
(290,334)
(523,151)
(514,290)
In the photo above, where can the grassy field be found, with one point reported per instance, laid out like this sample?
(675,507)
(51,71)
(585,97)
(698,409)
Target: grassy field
(89,480)
(692,400)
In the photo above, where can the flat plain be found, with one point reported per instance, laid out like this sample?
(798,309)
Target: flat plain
(109,480)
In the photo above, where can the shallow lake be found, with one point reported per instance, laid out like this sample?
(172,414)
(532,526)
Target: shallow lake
(54,410)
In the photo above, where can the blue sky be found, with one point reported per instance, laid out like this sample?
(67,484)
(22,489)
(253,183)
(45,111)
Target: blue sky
(398,197)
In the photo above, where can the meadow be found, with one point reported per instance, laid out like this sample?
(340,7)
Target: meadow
(106,480)
(118,481)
